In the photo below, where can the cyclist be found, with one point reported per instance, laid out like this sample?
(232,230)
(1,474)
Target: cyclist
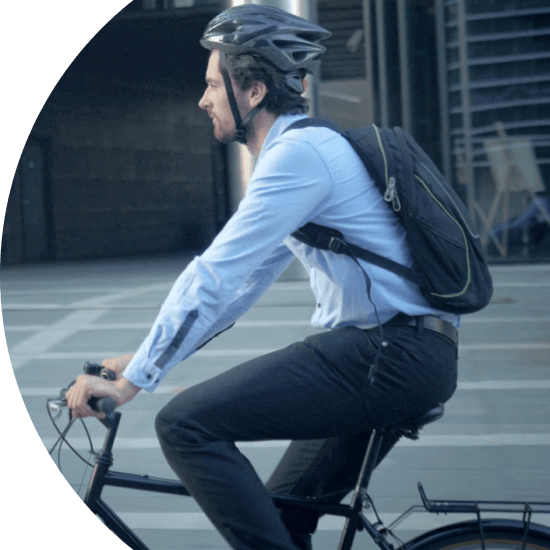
(317,392)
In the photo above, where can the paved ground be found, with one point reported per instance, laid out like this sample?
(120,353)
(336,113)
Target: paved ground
(493,443)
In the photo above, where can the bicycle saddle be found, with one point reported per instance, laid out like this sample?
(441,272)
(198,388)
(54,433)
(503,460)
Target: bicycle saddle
(409,428)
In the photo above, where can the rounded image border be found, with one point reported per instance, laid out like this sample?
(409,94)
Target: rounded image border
(39,41)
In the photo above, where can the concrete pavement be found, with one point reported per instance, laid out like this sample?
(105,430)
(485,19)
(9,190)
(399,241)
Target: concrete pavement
(493,443)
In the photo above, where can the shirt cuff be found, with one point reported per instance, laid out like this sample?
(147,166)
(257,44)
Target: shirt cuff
(143,373)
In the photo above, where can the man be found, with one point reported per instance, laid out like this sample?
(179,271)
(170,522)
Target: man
(318,392)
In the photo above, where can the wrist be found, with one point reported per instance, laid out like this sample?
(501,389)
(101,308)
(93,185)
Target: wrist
(117,364)
(126,390)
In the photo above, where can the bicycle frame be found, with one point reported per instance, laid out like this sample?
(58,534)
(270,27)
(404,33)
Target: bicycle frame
(355,520)
(102,477)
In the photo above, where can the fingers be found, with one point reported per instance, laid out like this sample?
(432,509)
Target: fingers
(78,396)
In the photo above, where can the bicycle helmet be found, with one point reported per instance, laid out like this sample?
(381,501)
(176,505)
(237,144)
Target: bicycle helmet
(287,41)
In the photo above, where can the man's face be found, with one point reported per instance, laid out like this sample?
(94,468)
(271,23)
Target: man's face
(214,100)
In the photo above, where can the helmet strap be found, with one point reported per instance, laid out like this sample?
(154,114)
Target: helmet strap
(240,124)
(240,133)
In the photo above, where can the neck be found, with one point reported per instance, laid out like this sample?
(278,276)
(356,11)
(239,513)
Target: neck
(263,122)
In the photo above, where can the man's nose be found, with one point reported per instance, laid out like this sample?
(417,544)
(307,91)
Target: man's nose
(202,101)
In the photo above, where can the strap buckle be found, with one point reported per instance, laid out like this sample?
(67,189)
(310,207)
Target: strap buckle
(337,245)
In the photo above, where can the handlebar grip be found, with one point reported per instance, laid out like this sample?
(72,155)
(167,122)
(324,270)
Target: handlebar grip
(102,404)
(99,404)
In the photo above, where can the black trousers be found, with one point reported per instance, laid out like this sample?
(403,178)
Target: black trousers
(316,393)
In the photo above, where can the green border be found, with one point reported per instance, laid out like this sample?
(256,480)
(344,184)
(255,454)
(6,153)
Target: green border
(39,39)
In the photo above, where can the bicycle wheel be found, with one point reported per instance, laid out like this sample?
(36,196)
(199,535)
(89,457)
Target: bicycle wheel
(497,535)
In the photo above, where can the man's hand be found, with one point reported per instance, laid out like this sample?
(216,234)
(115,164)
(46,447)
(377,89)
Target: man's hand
(87,386)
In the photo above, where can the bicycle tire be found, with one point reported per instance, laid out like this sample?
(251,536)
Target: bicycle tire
(498,534)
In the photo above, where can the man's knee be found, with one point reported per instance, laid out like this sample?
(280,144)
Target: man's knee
(178,424)
(166,424)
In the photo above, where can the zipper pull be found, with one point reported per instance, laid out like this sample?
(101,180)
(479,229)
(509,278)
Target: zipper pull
(391,195)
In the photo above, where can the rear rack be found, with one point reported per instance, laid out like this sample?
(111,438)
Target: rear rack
(478,506)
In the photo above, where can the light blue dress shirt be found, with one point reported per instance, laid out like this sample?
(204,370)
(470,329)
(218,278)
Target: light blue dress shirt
(305,175)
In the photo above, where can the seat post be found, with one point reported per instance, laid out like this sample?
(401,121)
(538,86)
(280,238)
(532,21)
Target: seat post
(369,462)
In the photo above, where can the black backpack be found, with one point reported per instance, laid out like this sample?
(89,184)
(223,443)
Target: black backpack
(449,265)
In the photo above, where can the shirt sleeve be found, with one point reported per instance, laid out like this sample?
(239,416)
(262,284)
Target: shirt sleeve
(250,291)
(289,185)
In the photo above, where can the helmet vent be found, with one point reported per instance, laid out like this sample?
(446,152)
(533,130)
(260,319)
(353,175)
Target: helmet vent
(290,48)
(309,36)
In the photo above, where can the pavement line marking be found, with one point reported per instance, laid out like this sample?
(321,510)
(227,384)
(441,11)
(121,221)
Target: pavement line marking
(451,440)
(264,324)
(505,385)
(510,346)
(104,290)
(467,320)
(190,521)
(519,284)
(481,440)
(99,355)
(165,287)
(484,385)
(147,326)
(118,291)
(144,443)
(522,268)
(106,306)
(19,354)
(38,344)
(72,307)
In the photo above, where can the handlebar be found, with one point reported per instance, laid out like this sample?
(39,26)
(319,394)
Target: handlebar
(100,404)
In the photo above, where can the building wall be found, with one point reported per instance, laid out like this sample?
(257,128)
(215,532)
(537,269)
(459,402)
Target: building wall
(131,180)
(130,165)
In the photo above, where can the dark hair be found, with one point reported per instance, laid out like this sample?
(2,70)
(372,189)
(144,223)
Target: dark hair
(249,68)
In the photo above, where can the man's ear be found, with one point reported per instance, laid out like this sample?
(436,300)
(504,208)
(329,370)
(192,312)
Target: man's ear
(305,84)
(257,92)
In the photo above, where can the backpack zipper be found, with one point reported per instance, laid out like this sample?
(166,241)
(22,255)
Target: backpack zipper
(468,280)
(391,194)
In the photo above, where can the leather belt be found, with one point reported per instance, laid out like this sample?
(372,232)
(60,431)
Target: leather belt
(430,322)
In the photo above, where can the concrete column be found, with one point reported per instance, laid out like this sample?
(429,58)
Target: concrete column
(382,62)
(370,98)
(240,162)
(466,113)
(404,65)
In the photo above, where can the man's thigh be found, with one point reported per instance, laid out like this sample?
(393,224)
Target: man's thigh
(293,393)
(316,389)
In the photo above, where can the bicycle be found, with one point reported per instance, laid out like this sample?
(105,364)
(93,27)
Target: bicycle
(478,533)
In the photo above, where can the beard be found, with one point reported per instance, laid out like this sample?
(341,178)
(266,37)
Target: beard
(229,136)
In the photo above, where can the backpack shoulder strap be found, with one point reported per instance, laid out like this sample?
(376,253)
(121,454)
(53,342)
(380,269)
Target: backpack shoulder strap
(326,238)
(315,122)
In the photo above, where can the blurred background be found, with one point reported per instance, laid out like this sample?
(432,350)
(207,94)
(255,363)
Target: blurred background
(122,162)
